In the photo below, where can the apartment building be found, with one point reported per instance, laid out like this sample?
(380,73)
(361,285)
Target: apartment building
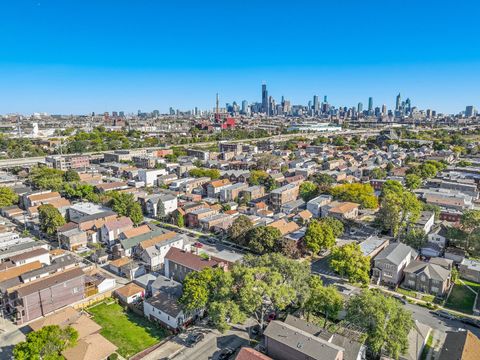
(282,195)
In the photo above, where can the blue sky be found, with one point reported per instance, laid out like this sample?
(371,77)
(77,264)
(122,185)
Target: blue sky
(77,56)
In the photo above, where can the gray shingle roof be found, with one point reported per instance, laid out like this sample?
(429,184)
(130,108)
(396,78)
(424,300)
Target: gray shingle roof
(396,253)
(432,271)
(303,342)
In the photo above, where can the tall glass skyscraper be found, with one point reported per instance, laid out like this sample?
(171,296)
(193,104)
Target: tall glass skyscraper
(265,107)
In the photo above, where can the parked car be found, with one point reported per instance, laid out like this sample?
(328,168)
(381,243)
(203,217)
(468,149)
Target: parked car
(401,299)
(198,244)
(470,321)
(195,339)
(226,353)
(444,314)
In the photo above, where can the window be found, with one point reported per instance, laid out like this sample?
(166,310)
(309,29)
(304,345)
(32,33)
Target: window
(411,282)
(434,289)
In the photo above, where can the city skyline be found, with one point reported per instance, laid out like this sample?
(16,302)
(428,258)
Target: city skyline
(79,57)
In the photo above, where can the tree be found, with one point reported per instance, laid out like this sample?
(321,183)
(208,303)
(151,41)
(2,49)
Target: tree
(263,239)
(293,272)
(415,238)
(257,177)
(50,219)
(324,182)
(362,194)
(386,322)
(308,190)
(222,313)
(319,236)
(470,227)
(46,178)
(399,208)
(336,225)
(349,261)
(71,176)
(202,172)
(270,184)
(378,173)
(8,197)
(135,213)
(178,219)
(46,343)
(124,204)
(254,288)
(323,300)
(160,210)
(413,181)
(240,226)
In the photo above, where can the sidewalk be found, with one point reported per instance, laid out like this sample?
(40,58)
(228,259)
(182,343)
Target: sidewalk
(422,302)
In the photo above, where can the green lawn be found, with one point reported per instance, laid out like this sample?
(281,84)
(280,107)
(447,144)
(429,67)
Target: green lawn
(461,298)
(130,332)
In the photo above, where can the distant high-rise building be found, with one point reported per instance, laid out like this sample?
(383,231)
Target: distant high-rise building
(316,104)
(359,108)
(470,111)
(398,102)
(244,107)
(370,105)
(408,105)
(429,113)
(384,109)
(325,99)
(265,107)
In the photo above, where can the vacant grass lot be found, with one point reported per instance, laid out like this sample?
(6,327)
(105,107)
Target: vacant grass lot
(461,298)
(130,332)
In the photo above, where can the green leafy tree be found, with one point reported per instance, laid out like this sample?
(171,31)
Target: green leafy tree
(161,210)
(135,213)
(224,313)
(293,272)
(413,181)
(257,177)
(362,194)
(399,208)
(124,204)
(179,220)
(50,219)
(8,197)
(386,322)
(319,236)
(324,182)
(251,289)
(349,261)
(378,173)
(71,176)
(468,236)
(336,225)
(46,343)
(415,238)
(202,172)
(308,190)
(323,300)
(240,227)
(46,178)
(263,239)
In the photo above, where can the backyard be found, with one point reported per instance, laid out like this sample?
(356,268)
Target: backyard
(462,298)
(132,333)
